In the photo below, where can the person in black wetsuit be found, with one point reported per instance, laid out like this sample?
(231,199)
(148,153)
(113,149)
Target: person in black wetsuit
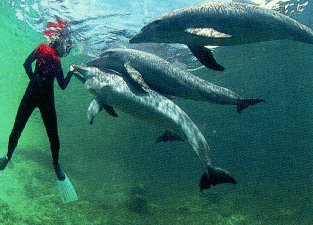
(40,93)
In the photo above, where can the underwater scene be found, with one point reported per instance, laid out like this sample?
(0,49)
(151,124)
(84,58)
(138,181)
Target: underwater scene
(141,141)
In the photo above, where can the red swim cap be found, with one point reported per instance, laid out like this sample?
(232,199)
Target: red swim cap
(55,30)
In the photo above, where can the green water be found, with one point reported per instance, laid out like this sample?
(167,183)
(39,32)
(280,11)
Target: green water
(123,177)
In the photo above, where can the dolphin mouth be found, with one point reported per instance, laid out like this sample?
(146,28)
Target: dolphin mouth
(83,73)
(79,76)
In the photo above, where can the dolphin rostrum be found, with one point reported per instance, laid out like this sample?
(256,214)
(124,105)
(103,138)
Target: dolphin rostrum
(112,90)
(166,78)
(221,24)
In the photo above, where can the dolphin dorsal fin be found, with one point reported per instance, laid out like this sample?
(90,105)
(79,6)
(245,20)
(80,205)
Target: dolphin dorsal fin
(207,32)
(136,75)
(135,80)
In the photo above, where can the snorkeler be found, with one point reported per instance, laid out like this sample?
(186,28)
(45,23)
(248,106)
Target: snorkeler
(40,93)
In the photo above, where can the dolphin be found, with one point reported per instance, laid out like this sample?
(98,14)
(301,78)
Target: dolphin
(166,78)
(221,24)
(112,90)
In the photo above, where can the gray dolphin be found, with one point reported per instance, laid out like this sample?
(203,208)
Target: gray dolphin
(221,24)
(111,90)
(151,71)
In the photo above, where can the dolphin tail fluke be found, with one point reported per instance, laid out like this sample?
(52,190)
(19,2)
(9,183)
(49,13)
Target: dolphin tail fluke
(245,103)
(214,176)
(205,56)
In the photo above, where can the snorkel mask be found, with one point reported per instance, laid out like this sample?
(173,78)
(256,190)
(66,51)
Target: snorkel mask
(63,47)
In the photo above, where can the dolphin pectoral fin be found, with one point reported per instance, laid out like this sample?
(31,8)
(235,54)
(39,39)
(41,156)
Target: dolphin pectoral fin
(207,32)
(214,176)
(169,136)
(136,80)
(205,56)
(245,103)
(94,108)
(109,109)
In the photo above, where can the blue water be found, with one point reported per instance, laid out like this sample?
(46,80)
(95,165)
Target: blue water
(120,174)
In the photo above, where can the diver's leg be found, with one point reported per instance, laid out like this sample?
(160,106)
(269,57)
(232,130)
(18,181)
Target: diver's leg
(48,114)
(24,111)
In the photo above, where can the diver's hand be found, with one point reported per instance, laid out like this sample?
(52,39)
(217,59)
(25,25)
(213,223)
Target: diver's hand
(71,72)
(72,67)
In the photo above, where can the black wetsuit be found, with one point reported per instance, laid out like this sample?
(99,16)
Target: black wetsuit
(40,93)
